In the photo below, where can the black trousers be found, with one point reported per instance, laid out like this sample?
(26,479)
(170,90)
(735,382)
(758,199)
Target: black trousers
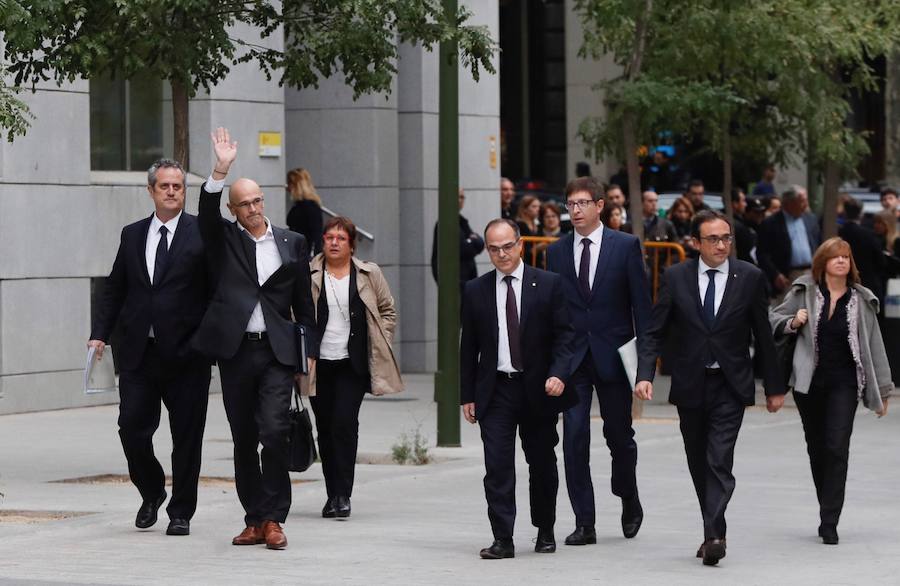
(827,415)
(710,433)
(339,394)
(508,410)
(256,389)
(184,388)
(615,400)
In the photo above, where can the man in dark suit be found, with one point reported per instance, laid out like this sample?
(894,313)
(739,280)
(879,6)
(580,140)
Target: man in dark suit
(788,240)
(159,288)
(604,285)
(514,360)
(710,306)
(870,260)
(262,274)
(470,246)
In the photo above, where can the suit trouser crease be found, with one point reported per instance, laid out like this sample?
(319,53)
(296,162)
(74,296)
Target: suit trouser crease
(710,433)
(256,390)
(184,389)
(827,415)
(615,399)
(339,394)
(508,410)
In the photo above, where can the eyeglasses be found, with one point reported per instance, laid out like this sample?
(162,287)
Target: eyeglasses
(505,249)
(581,204)
(248,203)
(716,240)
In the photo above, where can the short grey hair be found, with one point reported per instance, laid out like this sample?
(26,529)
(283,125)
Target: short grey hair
(164,164)
(792,193)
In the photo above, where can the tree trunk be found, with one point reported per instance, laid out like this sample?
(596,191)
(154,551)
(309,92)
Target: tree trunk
(635,209)
(180,116)
(812,174)
(829,200)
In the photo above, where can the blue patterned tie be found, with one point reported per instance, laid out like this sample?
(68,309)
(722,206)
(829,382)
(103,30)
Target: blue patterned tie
(709,300)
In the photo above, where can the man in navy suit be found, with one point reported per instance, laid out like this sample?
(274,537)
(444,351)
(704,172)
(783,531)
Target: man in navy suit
(710,306)
(605,286)
(158,290)
(514,361)
(787,241)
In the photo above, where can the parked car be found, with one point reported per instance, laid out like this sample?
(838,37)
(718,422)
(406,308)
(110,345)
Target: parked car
(713,200)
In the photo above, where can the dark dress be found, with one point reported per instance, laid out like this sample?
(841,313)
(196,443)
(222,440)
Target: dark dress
(524,230)
(828,409)
(305,217)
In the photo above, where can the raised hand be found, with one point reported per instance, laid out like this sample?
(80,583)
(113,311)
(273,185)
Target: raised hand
(226,151)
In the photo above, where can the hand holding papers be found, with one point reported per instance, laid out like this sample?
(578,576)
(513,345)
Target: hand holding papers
(99,375)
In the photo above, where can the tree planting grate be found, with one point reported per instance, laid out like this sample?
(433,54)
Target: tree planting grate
(123,479)
(23,517)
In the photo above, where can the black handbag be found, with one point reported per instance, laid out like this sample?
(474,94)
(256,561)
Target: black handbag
(302,444)
(784,350)
(301,347)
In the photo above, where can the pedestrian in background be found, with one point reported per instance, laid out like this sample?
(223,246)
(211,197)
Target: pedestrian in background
(159,287)
(612,217)
(527,219)
(839,359)
(680,214)
(868,255)
(305,216)
(787,240)
(470,246)
(885,229)
(551,227)
(355,323)
(507,195)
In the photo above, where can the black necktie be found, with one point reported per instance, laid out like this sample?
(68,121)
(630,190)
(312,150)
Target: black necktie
(709,300)
(162,252)
(512,324)
(584,271)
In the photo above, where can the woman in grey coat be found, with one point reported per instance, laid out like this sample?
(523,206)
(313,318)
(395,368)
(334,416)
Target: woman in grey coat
(839,359)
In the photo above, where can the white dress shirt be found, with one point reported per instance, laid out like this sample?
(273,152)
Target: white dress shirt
(268,259)
(504,361)
(153,237)
(721,283)
(335,344)
(596,237)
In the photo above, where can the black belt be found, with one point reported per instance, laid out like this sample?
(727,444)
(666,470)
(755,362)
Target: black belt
(510,375)
(255,336)
(713,371)
(151,340)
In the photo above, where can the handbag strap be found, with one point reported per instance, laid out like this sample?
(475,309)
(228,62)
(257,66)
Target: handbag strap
(299,404)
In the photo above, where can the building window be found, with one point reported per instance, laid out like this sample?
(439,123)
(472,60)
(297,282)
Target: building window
(127,126)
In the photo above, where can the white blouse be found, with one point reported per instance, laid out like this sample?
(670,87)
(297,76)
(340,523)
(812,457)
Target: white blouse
(335,340)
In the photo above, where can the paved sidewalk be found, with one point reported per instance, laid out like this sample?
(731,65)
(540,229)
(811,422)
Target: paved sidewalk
(425,525)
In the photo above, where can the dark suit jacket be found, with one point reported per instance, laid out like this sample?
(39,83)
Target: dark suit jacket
(545,333)
(619,307)
(870,260)
(469,248)
(358,342)
(232,256)
(174,307)
(773,249)
(678,313)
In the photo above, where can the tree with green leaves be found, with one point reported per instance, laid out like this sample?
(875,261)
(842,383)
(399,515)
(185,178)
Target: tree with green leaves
(14,113)
(750,79)
(192,44)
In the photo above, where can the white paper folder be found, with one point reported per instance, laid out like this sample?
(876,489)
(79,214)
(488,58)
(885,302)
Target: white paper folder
(628,354)
(99,375)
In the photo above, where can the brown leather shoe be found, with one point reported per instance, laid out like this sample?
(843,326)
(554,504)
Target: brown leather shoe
(274,535)
(251,535)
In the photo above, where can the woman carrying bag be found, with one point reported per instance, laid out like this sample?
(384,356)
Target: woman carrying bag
(355,319)
(839,358)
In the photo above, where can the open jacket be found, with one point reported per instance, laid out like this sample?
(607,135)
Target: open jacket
(873,371)
(381,319)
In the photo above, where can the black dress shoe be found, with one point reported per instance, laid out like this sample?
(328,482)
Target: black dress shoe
(582,536)
(179,527)
(499,550)
(146,515)
(829,534)
(632,516)
(341,507)
(713,551)
(545,542)
(328,509)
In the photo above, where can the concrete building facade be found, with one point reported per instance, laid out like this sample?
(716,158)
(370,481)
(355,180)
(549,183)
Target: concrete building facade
(373,159)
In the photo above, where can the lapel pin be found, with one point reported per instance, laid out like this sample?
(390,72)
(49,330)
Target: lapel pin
(533,284)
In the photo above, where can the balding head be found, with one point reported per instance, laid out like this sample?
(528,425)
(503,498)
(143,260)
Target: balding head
(245,202)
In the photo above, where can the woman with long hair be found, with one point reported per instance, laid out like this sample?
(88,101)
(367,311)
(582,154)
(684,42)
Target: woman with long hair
(884,224)
(680,214)
(305,216)
(611,216)
(839,358)
(355,319)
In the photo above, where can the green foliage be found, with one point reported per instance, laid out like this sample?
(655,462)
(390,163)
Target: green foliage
(411,449)
(769,73)
(195,42)
(14,114)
